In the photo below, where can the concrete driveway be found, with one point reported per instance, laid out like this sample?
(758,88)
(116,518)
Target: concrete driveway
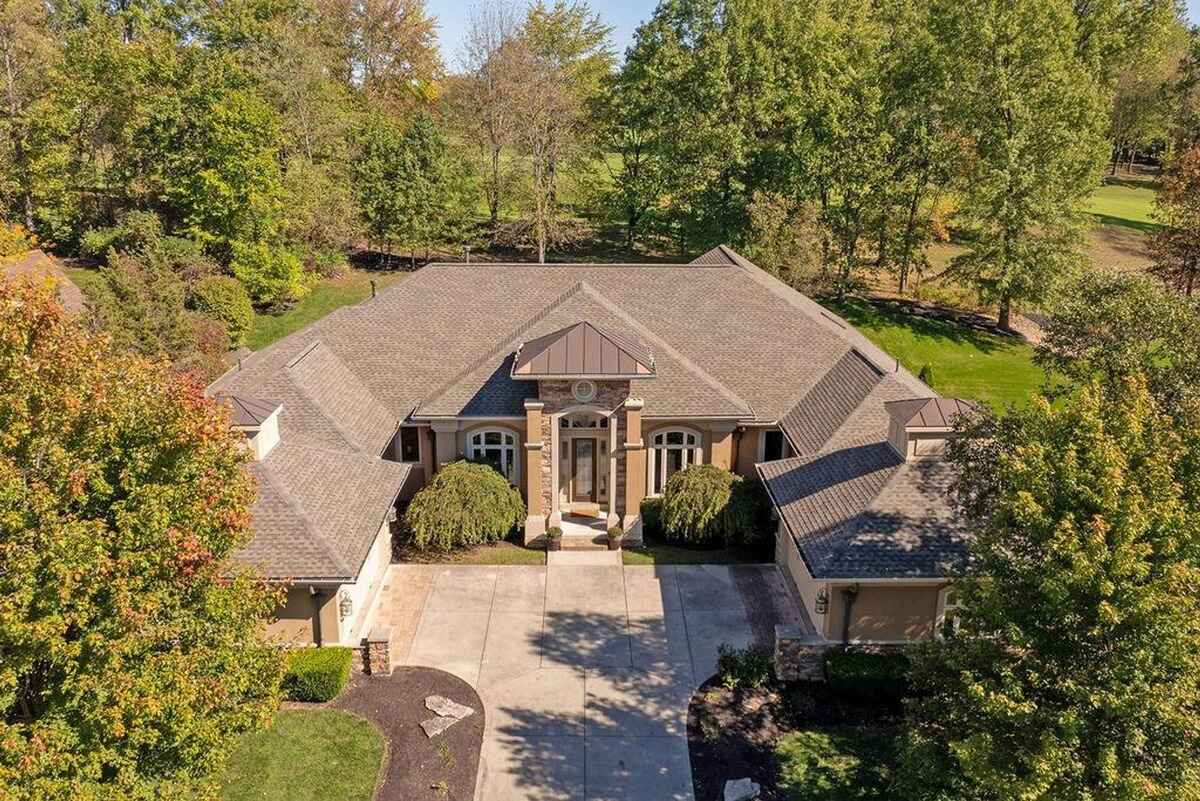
(585,667)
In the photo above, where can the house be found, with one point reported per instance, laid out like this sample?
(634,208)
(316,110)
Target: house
(40,266)
(587,386)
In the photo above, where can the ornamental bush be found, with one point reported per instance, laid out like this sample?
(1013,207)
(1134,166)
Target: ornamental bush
(317,674)
(874,676)
(706,505)
(652,518)
(224,299)
(466,504)
(272,275)
(744,668)
(694,504)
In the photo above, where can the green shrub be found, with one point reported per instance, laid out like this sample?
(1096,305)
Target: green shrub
(926,375)
(744,668)
(694,504)
(272,275)
(317,674)
(652,518)
(465,504)
(748,518)
(872,676)
(224,299)
(837,763)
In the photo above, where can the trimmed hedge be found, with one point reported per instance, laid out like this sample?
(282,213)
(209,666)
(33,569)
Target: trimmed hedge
(317,674)
(652,518)
(877,676)
(466,504)
(705,505)
(224,299)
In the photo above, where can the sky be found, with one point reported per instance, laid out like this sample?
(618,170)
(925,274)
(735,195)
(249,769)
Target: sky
(623,15)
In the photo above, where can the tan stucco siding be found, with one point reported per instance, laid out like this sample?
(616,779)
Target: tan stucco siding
(787,555)
(292,623)
(747,451)
(884,613)
(363,593)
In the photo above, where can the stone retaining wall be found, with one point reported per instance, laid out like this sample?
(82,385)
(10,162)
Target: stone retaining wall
(799,654)
(377,652)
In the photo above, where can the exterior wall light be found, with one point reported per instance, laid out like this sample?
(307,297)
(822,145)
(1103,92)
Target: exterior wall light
(345,606)
(822,601)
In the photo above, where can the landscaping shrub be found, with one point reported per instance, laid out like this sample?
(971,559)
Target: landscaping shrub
(926,375)
(224,299)
(875,676)
(652,518)
(271,274)
(694,504)
(836,763)
(744,668)
(465,504)
(706,505)
(317,674)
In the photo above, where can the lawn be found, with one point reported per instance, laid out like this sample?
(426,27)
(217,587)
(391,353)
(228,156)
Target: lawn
(307,755)
(978,365)
(1129,204)
(326,296)
(836,762)
(660,553)
(498,553)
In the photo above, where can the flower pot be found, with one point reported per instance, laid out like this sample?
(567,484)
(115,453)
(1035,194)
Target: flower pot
(614,544)
(554,544)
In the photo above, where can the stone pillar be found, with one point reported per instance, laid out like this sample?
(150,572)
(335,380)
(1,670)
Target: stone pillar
(446,435)
(535,520)
(635,470)
(377,653)
(721,453)
(799,655)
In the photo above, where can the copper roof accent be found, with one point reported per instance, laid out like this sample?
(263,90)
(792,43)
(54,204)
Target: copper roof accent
(930,412)
(581,350)
(246,411)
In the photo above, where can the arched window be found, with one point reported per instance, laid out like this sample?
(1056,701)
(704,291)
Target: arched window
(671,451)
(498,448)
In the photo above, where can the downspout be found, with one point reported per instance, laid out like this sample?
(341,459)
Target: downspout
(317,595)
(849,595)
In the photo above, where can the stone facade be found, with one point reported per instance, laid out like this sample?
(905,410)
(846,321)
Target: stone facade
(799,655)
(377,652)
(557,396)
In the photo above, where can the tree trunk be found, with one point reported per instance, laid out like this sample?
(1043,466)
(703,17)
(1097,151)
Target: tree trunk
(1005,316)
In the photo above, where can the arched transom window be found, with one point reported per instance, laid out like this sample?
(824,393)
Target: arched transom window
(498,448)
(671,451)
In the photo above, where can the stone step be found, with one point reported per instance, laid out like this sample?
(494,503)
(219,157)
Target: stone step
(582,542)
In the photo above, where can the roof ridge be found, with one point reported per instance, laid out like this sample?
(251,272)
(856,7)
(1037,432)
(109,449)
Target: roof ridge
(303,389)
(502,345)
(309,526)
(687,363)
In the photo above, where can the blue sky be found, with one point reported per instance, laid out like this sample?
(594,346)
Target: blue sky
(623,15)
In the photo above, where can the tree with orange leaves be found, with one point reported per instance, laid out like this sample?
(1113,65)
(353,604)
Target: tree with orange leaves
(1176,246)
(130,657)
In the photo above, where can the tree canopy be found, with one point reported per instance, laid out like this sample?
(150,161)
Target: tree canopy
(130,643)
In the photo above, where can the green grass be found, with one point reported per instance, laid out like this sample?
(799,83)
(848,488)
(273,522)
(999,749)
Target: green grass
(837,763)
(977,365)
(326,296)
(1129,204)
(499,553)
(307,755)
(659,553)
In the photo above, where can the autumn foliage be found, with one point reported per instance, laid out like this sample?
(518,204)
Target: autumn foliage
(129,651)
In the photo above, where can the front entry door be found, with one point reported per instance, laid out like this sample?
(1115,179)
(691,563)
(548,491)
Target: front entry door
(583,470)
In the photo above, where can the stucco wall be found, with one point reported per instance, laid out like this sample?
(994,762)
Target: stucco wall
(747,450)
(787,555)
(293,621)
(885,613)
(365,591)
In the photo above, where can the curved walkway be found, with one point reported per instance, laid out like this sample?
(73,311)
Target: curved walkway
(585,670)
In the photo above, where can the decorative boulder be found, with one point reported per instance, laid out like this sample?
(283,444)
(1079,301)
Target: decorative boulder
(741,790)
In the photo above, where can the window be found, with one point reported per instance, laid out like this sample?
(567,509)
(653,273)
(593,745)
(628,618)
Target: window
(582,421)
(670,452)
(496,447)
(410,444)
(949,616)
(772,445)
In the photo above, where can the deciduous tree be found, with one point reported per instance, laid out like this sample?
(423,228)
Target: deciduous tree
(1176,245)
(1075,670)
(131,658)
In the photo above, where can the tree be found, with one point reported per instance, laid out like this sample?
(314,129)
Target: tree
(484,100)
(1075,669)
(1116,326)
(27,51)
(785,238)
(466,504)
(1176,245)
(132,660)
(1029,112)
(409,190)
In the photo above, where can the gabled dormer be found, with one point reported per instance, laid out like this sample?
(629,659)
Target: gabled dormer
(257,419)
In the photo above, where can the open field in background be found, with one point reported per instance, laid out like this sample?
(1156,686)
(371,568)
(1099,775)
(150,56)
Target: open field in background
(978,365)
(306,755)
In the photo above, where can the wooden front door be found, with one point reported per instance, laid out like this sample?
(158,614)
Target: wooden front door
(583,469)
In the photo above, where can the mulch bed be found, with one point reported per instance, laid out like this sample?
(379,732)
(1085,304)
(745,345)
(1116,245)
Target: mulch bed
(732,734)
(442,768)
